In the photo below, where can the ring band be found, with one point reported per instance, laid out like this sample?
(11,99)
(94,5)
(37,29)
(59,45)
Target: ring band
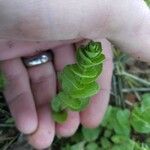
(39,59)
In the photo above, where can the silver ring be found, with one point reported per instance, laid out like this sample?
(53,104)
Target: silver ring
(39,59)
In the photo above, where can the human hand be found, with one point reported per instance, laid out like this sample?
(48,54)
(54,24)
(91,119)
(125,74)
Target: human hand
(36,120)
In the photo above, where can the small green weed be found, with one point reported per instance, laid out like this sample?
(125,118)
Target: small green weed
(121,129)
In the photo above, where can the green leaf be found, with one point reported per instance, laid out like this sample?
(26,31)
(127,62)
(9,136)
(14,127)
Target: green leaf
(125,143)
(92,54)
(145,101)
(99,59)
(140,121)
(63,100)
(92,146)
(87,75)
(73,77)
(59,117)
(118,120)
(107,133)
(56,103)
(107,117)
(73,104)
(78,146)
(94,47)
(125,146)
(105,143)
(140,116)
(88,91)
(81,106)
(122,143)
(90,134)
(69,79)
(117,139)
(122,125)
(82,59)
(85,62)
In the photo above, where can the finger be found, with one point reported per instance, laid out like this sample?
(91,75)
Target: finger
(43,136)
(65,55)
(93,114)
(42,20)
(130,30)
(10,49)
(43,83)
(19,96)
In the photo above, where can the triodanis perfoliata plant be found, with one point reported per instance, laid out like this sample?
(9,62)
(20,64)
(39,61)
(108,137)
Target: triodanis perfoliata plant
(78,81)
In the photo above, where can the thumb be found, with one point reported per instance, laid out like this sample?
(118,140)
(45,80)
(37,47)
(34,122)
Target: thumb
(133,34)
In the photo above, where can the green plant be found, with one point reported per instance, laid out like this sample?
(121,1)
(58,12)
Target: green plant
(140,117)
(116,131)
(78,81)
(125,125)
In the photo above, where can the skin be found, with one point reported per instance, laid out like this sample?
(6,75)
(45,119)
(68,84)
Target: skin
(29,28)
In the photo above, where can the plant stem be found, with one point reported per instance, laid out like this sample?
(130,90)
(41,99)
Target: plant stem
(135,78)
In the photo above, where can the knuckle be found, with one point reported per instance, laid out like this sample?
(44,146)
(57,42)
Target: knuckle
(17,97)
(14,77)
(41,79)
